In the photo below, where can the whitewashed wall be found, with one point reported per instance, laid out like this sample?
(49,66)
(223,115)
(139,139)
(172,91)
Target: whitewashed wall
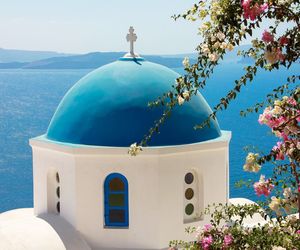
(156,193)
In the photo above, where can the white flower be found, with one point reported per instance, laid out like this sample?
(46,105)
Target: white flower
(292,218)
(223,45)
(213,38)
(204,48)
(198,231)
(247,246)
(275,204)
(186,95)
(287,193)
(216,45)
(251,164)
(285,98)
(291,151)
(205,26)
(186,62)
(278,248)
(179,81)
(180,100)
(134,149)
(213,57)
(220,36)
(283,2)
(230,47)
(276,110)
(290,200)
(277,103)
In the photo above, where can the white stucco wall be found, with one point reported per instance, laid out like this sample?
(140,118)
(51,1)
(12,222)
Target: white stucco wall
(44,161)
(211,168)
(156,193)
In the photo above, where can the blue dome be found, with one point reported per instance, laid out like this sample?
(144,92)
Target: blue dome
(108,107)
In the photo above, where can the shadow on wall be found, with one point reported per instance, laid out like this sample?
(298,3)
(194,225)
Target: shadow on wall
(68,235)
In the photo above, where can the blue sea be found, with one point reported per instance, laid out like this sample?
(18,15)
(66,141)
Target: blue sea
(28,99)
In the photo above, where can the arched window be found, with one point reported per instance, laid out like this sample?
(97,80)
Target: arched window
(116,201)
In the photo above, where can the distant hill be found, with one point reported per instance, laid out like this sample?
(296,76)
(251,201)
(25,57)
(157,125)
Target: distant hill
(97,59)
(87,61)
(12,65)
(90,60)
(12,55)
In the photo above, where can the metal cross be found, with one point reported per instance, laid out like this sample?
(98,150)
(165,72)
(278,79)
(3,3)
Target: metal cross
(131,37)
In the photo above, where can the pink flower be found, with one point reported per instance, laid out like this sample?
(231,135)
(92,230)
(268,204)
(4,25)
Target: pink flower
(267,37)
(251,12)
(292,101)
(298,118)
(207,227)
(274,55)
(263,187)
(228,239)
(246,4)
(206,242)
(280,56)
(278,149)
(266,116)
(298,232)
(284,136)
(283,40)
(263,7)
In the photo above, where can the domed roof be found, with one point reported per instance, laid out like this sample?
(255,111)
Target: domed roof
(108,107)
(20,229)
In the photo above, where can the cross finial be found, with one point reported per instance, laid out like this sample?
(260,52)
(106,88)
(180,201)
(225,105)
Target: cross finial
(131,37)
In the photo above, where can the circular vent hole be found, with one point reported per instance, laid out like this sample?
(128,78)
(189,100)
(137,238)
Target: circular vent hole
(57,177)
(189,193)
(58,192)
(189,209)
(58,207)
(189,178)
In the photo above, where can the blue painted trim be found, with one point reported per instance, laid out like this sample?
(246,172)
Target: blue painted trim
(107,208)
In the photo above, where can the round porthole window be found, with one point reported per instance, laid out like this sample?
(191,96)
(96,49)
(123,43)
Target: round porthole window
(189,209)
(189,178)
(189,193)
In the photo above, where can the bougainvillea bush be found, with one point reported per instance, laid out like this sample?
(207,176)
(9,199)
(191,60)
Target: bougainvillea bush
(227,231)
(223,25)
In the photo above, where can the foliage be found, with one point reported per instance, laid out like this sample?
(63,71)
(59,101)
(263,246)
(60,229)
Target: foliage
(224,25)
(227,231)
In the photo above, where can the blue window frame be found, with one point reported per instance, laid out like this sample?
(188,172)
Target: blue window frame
(116,201)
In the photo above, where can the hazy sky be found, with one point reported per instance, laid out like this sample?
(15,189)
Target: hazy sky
(78,26)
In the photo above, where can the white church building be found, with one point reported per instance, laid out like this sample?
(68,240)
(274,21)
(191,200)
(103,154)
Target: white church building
(89,193)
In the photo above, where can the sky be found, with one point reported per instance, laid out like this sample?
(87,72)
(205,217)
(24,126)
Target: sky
(78,26)
(81,26)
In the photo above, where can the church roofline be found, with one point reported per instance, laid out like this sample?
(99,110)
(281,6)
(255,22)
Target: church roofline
(79,149)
